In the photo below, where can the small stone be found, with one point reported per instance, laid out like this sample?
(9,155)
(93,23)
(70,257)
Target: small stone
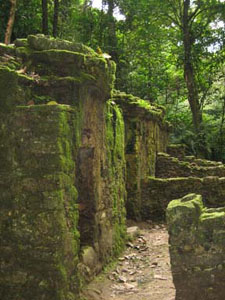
(142,249)
(133,231)
(159,277)
(121,258)
(142,239)
(133,272)
(124,270)
(122,279)
(129,244)
(130,286)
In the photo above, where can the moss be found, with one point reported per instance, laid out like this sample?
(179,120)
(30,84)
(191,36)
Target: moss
(137,107)
(116,168)
(9,95)
(212,215)
(21,43)
(189,201)
(78,79)
(54,61)
(7,49)
(41,42)
(39,200)
(191,206)
(24,53)
(177,146)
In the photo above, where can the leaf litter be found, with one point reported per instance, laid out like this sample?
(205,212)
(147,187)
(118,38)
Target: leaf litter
(142,272)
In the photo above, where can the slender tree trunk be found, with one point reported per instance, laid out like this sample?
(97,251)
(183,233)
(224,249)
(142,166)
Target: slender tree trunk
(221,138)
(45,17)
(55,18)
(189,74)
(112,39)
(9,28)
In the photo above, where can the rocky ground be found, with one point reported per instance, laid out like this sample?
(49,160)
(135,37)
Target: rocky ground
(142,272)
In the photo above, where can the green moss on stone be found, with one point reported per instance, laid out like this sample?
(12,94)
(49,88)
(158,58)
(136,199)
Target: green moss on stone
(41,42)
(191,206)
(10,92)
(39,200)
(136,107)
(24,53)
(7,49)
(116,170)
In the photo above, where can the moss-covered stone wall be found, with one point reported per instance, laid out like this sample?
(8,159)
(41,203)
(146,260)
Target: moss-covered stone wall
(197,241)
(176,150)
(63,168)
(156,193)
(146,133)
(73,155)
(101,185)
(170,167)
(38,216)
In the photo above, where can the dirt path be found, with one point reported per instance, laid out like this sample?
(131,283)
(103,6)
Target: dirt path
(142,273)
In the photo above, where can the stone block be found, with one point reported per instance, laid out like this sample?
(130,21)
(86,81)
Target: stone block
(197,240)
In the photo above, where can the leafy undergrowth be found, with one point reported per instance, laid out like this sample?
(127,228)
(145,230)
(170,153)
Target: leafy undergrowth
(142,272)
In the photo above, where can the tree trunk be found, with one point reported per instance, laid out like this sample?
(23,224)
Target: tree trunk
(189,74)
(112,39)
(55,18)
(9,28)
(45,17)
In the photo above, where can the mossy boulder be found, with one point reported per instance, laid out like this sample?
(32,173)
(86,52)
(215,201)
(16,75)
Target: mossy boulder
(197,240)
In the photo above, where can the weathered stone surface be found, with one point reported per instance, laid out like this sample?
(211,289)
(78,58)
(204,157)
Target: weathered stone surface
(40,42)
(197,241)
(101,180)
(170,167)
(176,150)
(47,153)
(202,162)
(39,216)
(65,150)
(146,133)
(156,193)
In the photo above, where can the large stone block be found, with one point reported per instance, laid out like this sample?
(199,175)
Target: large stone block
(197,241)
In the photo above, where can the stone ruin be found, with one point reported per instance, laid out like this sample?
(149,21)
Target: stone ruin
(197,239)
(178,176)
(73,153)
(195,221)
(76,158)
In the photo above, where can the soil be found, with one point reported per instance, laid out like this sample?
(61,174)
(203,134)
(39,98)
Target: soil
(142,271)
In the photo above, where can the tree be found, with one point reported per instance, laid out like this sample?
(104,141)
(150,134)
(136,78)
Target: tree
(10,24)
(45,16)
(193,20)
(110,30)
(55,18)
